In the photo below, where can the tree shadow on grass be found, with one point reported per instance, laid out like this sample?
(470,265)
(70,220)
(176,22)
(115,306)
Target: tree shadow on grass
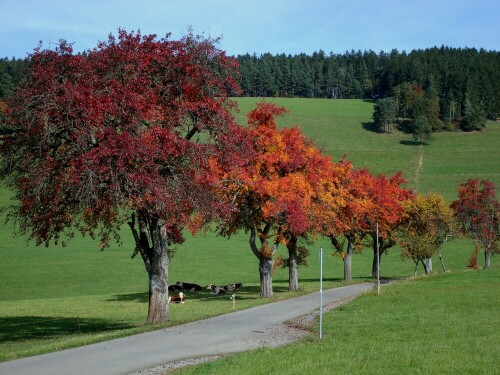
(370,126)
(413,143)
(325,279)
(245,293)
(21,328)
(131,297)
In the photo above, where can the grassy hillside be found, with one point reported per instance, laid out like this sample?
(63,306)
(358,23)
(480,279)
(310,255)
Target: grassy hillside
(52,298)
(341,127)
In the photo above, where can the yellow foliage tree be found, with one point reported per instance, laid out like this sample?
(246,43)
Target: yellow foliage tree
(427,223)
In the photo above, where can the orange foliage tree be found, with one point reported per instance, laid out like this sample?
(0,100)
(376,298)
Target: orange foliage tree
(352,203)
(273,194)
(345,209)
(388,197)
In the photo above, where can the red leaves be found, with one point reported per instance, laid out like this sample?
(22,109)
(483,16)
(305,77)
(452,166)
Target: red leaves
(137,123)
(264,115)
(477,211)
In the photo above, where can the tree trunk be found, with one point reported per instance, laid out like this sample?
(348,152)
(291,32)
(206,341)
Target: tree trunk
(348,261)
(487,259)
(265,260)
(158,274)
(293,271)
(374,263)
(426,267)
(384,243)
(266,277)
(151,242)
(293,264)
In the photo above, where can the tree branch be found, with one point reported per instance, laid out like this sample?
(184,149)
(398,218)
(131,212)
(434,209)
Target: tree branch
(336,244)
(141,243)
(253,246)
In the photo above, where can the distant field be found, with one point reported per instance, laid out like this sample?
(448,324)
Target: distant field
(53,298)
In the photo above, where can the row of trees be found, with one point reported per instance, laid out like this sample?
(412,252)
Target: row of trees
(453,73)
(140,131)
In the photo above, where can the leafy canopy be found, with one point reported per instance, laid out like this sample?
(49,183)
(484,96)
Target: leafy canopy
(427,222)
(136,124)
(477,211)
(275,191)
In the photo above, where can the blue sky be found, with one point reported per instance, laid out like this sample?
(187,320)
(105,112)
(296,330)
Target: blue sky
(276,26)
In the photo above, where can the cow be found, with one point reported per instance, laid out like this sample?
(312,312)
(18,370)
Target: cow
(176,299)
(175,288)
(188,287)
(232,287)
(216,289)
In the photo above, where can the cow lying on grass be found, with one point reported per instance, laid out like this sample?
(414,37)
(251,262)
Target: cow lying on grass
(176,299)
(232,287)
(216,289)
(185,287)
(219,290)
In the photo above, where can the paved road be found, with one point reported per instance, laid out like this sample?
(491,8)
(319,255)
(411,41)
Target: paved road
(234,332)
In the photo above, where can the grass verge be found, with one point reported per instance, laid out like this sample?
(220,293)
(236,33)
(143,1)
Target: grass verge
(443,324)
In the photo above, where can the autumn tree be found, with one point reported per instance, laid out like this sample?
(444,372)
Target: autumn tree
(272,194)
(318,171)
(387,196)
(128,132)
(427,222)
(477,211)
(346,211)
(360,203)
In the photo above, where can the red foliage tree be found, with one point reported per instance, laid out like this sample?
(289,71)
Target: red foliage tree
(387,196)
(349,217)
(477,211)
(351,205)
(128,132)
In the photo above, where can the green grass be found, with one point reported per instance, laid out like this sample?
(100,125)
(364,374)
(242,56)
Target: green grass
(443,324)
(53,298)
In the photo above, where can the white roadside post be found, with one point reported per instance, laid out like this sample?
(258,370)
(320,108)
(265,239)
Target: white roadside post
(320,292)
(378,265)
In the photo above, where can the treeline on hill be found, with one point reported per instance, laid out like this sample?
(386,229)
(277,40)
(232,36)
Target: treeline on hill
(453,82)
(425,90)
(11,73)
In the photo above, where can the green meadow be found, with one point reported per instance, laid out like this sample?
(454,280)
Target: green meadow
(60,297)
(443,324)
